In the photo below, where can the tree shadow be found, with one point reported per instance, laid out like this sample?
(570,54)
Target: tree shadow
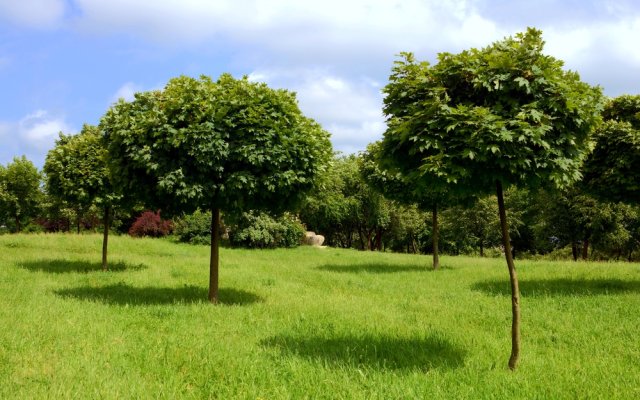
(386,353)
(67,266)
(375,268)
(122,294)
(561,287)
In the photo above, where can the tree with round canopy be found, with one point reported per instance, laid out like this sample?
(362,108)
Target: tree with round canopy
(486,119)
(20,193)
(229,145)
(76,172)
(396,186)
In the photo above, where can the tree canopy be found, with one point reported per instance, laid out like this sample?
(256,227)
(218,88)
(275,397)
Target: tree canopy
(229,144)
(489,118)
(76,172)
(20,192)
(76,168)
(506,112)
(612,171)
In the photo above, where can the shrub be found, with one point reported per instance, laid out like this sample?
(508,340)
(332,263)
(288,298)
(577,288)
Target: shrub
(150,224)
(260,230)
(194,228)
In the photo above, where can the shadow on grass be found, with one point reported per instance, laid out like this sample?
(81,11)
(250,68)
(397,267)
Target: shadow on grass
(66,266)
(376,268)
(372,351)
(561,287)
(121,294)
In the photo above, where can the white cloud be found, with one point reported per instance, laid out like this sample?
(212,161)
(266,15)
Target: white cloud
(33,13)
(33,136)
(322,29)
(605,53)
(38,130)
(350,109)
(126,92)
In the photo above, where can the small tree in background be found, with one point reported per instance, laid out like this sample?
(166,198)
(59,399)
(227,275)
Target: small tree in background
(230,144)
(486,119)
(76,172)
(20,194)
(396,186)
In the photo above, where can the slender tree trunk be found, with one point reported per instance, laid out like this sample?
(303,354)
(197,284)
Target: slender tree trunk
(379,239)
(629,256)
(574,251)
(436,237)
(481,249)
(361,236)
(585,249)
(515,291)
(215,255)
(18,225)
(105,237)
(370,244)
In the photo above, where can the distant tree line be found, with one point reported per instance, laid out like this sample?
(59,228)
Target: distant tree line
(561,224)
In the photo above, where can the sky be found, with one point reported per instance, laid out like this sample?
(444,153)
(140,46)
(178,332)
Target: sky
(64,62)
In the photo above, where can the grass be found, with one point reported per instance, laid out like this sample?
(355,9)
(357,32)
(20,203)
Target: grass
(306,323)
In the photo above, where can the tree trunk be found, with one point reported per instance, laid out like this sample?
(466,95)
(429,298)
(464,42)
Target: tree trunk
(361,236)
(574,251)
(18,226)
(215,255)
(379,239)
(436,237)
(481,249)
(585,249)
(515,291)
(77,222)
(105,237)
(370,244)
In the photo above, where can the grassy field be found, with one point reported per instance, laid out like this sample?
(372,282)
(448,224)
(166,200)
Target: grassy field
(306,323)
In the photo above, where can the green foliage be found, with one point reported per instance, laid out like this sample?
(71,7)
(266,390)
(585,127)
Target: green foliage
(20,194)
(473,229)
(76,169)
(230,144)
(408,229)
(506,112)
(623,109)
(612,171)
(345,209)
(259,230)
(194,228)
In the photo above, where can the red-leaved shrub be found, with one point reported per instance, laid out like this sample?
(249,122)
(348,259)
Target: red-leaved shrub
(150,224)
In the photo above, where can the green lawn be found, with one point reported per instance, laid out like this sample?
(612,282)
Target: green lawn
(306,323)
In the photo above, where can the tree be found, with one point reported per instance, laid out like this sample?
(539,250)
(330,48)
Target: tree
(345,209)
(490,118)
(76,172)
(229,144)
(612,171)
(392,184)
(20,192)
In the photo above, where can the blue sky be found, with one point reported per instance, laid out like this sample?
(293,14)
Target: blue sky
(63,62)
